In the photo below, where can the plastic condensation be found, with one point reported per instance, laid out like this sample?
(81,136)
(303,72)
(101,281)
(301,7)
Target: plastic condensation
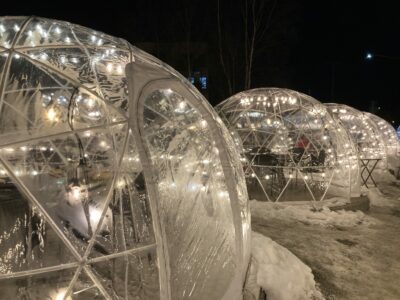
(292,149)
(117,179)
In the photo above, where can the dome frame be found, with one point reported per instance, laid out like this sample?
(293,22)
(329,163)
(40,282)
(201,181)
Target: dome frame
(390,140)
(144,75)
(270,114)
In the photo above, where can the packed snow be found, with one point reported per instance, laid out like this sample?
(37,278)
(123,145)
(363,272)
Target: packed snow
(377,198)
(279,272)
(355,262)
(308,215)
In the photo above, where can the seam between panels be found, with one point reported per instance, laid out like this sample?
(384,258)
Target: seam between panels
(72,282)
(136,109)
(39,271)
(97,282)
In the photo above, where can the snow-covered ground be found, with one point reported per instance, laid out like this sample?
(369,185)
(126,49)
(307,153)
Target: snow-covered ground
(307,215)
(351,255)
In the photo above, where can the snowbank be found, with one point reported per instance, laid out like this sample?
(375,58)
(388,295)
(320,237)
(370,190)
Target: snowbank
(376,198)
(305,214)
(279,272)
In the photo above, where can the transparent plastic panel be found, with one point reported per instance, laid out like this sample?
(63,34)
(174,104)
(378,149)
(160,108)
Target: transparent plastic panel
(234,151)
(27,240)
(390,140)
(129,209)
(3,58)
(134,276)
(9,28)
(84,288)
(72,63)
(289,145)
(195,205)
(34,103)
(109,65)
(51,285)
(361,130)
(95,39)
(70,176)
(41,32)
(63,136)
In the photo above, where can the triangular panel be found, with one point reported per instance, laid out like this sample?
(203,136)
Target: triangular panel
(27,241)
(133,276)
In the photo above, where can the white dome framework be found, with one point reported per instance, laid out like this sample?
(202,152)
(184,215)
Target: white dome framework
(390,140)
(112,186)
(293,149)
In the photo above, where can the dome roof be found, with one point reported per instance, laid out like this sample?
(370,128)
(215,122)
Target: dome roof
(113,183)
(361,129)
(292,148)
(389,138)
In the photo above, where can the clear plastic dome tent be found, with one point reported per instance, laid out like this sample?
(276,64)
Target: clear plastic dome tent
(390,140)
(293,150)
(112,186)
(362,130)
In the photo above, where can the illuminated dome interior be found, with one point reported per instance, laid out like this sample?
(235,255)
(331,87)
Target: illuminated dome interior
(293,150)
(362,130)
(390,140)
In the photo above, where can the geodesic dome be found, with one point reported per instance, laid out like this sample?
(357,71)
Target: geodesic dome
(390,140)
(113,185)
(292,148)
(361,129)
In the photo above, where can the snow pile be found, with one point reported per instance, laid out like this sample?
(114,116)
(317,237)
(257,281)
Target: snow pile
(383,176)
(279,272)
(305,214)
(376,198)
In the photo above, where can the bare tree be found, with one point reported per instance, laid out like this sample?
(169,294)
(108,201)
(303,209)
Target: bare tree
(222,56)
(256,18)
(186,18)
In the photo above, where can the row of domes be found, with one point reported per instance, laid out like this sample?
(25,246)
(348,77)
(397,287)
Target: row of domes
(118,180)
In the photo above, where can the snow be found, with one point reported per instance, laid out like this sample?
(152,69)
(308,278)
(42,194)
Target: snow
(279,272)
(307,215)
(376,198)
(387,195)
(348,263)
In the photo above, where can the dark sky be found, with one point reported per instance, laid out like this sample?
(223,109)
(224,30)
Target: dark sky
(326,52)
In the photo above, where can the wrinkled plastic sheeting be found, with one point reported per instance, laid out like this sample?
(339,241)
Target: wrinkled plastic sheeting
(64,111)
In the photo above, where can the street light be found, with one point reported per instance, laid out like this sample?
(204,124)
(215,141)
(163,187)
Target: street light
(369,56)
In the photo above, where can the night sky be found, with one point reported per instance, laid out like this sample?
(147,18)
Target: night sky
(324,43)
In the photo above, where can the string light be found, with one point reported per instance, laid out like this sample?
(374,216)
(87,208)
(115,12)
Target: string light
(272,134)
(52,115)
